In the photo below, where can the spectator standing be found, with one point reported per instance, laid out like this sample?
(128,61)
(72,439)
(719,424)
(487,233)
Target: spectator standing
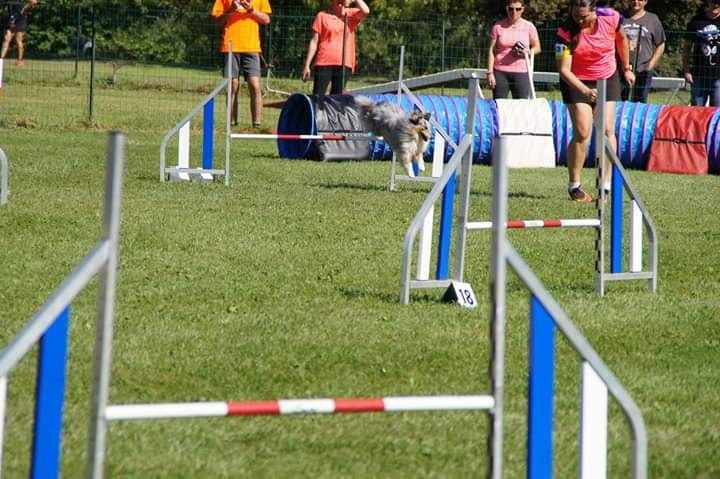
(586,47)
(510,40)
(332,45)
(646,38)
(241,20)
(17,25)
(701,55)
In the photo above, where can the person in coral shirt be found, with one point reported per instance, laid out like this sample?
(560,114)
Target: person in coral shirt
(333,66)
(587,46)
(241,20)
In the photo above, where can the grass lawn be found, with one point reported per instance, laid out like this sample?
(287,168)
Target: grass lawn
(285,285)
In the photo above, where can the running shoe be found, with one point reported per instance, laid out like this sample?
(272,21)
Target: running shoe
(577,194)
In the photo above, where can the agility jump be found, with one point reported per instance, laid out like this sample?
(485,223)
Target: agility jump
(104,260)
(461,161)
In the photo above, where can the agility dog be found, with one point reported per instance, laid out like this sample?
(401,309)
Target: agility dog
(407,135)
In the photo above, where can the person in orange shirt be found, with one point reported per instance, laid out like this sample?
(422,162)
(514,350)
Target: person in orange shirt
(241,20)
(333,66)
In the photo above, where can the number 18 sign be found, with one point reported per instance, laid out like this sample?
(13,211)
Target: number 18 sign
(461,293)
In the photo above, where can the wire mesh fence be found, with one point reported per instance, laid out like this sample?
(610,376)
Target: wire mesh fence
(127,67)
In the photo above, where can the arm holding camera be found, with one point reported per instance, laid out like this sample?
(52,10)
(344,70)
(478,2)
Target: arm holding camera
(362,6)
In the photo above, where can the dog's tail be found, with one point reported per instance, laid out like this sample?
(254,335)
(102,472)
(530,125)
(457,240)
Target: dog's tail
(363,101)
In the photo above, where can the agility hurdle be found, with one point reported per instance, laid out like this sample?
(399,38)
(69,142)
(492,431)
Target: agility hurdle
(620,182)
(205,173)
(597,380)
(4,171)
(49,328)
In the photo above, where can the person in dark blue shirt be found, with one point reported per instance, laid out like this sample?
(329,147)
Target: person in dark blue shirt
(701,55)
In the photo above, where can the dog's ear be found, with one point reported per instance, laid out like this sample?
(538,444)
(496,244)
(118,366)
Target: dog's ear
(426,116)
(415,117)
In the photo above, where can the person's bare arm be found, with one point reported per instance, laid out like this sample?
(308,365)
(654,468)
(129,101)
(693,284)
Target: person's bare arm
(312,49)
(491,64)
(655,58)
(362,6)
(622,46)
(564,64)
(28,6)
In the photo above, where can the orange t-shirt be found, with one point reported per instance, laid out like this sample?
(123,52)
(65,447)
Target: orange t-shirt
(240,28)
(330,30)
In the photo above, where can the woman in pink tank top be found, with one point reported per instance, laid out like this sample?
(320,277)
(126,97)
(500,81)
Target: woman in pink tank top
(586,47)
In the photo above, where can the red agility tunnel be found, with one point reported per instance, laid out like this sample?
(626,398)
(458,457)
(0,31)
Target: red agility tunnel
(680,140)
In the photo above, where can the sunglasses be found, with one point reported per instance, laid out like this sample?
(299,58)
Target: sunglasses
(517,9)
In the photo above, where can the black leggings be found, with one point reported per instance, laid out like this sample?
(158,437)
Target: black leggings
(517,83)
(330,76)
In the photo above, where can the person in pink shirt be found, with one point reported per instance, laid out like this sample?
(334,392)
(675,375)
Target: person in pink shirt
(333,66)
(586,50)
(510,39)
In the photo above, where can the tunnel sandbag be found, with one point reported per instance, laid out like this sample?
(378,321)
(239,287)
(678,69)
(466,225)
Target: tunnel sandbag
(450,113)
(680,140)
(318,115)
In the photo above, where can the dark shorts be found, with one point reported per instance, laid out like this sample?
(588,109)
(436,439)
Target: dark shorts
(17,23)
(570,95)
(247,63)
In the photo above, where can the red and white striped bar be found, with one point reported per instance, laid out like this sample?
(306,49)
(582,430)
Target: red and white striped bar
(297,406)
(519,224)
(328,137)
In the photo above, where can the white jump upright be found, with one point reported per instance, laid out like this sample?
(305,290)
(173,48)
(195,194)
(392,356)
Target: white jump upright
(426,234)
(4,172)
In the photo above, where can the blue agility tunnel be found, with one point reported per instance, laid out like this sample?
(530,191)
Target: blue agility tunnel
(309,114)
(635,127)
(297,117)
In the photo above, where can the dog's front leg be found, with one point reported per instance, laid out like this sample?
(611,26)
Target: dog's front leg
(420,160)
(404,159)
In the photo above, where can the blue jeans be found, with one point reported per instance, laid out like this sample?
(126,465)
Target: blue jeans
(703,89)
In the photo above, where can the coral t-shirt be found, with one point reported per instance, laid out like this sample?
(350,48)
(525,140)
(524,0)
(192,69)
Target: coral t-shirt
(240,28)
(506,35)
(593,56)
(330,30)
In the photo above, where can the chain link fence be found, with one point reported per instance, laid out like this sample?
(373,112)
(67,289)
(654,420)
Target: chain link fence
(135,68)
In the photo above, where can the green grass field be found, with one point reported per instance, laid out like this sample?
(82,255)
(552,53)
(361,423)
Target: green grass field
(285,285)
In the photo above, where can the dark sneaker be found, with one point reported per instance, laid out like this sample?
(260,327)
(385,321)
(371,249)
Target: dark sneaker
(577,194)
